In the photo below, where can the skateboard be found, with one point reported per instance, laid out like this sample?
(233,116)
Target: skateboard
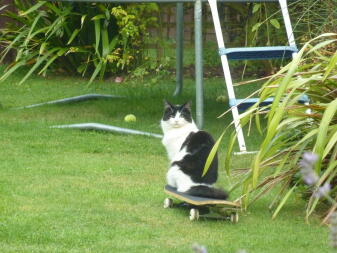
(201,207)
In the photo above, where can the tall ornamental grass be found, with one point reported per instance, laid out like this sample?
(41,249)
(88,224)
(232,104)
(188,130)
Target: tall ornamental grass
(293,128)
(312,18)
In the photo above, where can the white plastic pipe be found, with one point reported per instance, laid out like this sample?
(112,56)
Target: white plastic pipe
(72,100)
(108,128)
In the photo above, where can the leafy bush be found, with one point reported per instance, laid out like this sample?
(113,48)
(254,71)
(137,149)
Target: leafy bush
(90,39)
(294,128)
(313,18)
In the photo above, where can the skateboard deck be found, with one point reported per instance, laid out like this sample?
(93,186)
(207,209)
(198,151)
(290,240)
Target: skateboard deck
(203,207)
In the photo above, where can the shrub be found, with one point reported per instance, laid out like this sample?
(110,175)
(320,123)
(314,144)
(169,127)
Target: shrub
(294,128)
(90,39)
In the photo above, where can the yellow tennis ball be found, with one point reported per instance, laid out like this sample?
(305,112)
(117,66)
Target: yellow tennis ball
(130,118)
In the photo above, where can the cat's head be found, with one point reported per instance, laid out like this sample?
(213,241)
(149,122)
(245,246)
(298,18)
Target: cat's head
(177,115)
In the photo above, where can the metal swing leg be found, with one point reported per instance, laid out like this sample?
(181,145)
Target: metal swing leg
(248,53)
(228,77)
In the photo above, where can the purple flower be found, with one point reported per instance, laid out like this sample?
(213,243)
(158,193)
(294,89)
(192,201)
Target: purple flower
(322,191)
(199,248)
(307,164)
(310,158)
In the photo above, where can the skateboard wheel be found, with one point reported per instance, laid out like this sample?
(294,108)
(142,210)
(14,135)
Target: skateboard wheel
(168,203)
(194,214)
(234,218)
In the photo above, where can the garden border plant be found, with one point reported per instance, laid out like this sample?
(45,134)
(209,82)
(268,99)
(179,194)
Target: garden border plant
(90,39)
(293,129)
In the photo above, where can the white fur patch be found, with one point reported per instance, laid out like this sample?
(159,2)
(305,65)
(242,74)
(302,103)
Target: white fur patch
(178,179)
(175,132)
(175,135)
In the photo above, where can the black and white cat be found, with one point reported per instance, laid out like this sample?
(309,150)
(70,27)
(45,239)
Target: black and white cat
(188,148)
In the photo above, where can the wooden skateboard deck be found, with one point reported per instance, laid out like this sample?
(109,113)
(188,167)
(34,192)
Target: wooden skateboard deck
(215,208)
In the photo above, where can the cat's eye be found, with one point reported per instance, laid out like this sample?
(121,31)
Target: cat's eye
(185,111)
(168,110)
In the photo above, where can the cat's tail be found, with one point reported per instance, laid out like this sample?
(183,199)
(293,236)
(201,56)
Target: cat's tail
(207,192)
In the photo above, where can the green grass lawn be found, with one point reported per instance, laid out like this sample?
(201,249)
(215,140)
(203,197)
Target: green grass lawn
(65,190)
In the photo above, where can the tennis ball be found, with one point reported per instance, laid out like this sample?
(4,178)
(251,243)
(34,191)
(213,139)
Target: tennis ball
(130,118)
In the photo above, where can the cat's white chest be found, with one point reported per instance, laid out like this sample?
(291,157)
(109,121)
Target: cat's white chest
(174,138)
(173,143)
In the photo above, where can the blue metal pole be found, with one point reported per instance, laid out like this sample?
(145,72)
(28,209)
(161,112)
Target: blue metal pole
(180,48)
(198,64)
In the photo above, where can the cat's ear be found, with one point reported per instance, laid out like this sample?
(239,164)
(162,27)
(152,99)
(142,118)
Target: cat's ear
(188,105)
(167,104)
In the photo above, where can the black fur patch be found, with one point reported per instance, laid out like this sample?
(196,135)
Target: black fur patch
(198,145)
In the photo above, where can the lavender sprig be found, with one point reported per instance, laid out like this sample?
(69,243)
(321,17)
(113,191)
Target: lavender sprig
(307,164)
(199,248)
(322,191)
(310,177)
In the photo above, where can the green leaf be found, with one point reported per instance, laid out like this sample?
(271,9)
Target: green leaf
(82,20)
(212,154)
(256,168)
(54,8)
(73,36)
(11,45)
(12,69)
(113,43)
(256,27)
(229,152)
(43,47)
(81,68)
(331,65)
(274,22)
(258,123)
(96,72)
(97,34)
(50,61)
(39,61)
(3,7)
(98,17)
(86,64)
(331,143)
(105,42)
(330,169)
(321,141)
(256,7)
(321,45)
(29,36)
(102,71)
(283,201)
(311,206)
(33,8)
(55,26)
